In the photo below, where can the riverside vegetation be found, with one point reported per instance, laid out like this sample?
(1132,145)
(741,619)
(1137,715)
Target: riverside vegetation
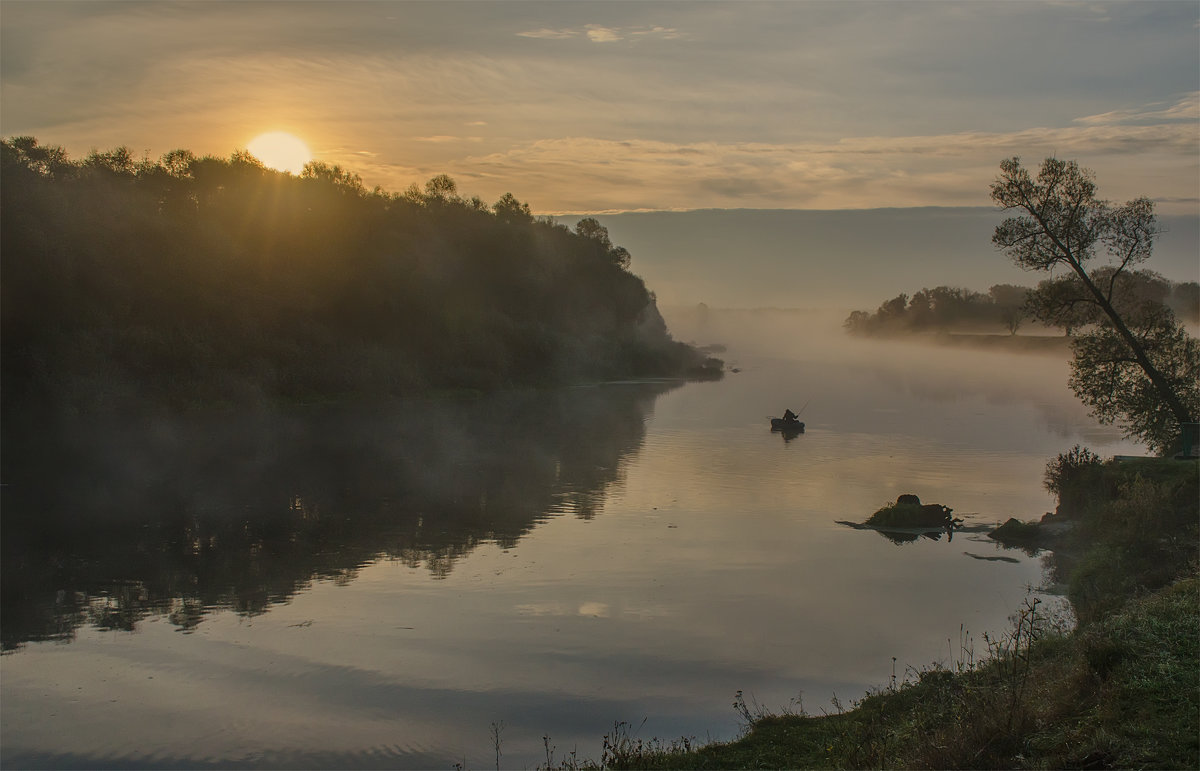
(1116,690)
(1119,690)
(132,284)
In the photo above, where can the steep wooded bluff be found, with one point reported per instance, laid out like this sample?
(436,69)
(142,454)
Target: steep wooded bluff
(192,280)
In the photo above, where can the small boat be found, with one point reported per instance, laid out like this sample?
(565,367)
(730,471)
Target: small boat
(787,426)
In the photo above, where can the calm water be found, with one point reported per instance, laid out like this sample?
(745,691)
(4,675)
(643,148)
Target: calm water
(379,586)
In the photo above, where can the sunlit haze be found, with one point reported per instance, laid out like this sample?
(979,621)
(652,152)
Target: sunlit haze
(591,107)
(280,151)
(522,384)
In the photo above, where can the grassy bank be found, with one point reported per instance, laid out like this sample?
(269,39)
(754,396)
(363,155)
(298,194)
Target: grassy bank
(1118,690)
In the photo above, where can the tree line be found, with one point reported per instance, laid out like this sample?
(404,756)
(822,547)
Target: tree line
(1134,364)
(192,279)
(1056,303)
(943,308)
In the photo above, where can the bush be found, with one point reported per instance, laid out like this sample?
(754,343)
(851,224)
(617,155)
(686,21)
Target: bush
(911,515)
(1071,476)
(1068,466)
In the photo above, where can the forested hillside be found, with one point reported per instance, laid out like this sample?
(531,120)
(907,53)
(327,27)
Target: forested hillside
(192,280)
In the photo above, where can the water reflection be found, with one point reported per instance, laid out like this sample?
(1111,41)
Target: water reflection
(787,432)
(718,564)
(902,536)
(106,525)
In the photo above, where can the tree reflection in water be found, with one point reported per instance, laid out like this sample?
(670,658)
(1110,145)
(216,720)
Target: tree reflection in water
(109,523)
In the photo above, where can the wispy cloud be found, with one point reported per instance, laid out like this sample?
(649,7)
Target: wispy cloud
(444,138)
(1186,108)
(666,33)
(549,34)
(599,33)
(579,174)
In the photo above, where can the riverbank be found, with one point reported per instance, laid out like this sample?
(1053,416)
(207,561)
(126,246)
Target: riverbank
(1116,690)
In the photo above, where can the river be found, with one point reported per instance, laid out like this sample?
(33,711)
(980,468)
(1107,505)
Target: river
(401,585)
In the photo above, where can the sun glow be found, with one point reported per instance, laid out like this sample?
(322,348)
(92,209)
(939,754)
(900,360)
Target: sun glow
(281,151)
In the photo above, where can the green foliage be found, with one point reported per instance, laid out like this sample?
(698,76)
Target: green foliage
(1135,537)
(1063,213)
(128,282)
(1138,367)
(1065,301)
(1062,302)
(944,308)
(1109,379)
(1064,472)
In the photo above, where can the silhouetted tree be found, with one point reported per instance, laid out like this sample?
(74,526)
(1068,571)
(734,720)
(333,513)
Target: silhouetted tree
(509,209)
(1061,224)
(333,175)
(1010,302)
(590,228)
(178,163)
(620,256)
(48,161)
(441,188)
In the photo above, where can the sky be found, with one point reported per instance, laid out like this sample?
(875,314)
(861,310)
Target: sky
(589,107)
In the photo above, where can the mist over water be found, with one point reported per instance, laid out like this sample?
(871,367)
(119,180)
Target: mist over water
(852,259)
(376,586)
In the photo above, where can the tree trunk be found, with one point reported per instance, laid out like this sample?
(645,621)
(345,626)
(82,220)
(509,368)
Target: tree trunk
(1164,388)
(1160,383)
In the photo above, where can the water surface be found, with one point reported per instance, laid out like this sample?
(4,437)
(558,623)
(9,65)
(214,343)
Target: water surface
(378,586)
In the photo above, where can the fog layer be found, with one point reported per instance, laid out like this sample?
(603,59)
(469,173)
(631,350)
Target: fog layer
(747,258)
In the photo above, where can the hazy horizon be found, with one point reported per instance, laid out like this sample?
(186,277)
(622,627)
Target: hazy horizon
(842,259)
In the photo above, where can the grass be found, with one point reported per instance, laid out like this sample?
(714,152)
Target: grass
(1121,689)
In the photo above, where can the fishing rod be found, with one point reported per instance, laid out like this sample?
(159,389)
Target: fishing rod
(772,417)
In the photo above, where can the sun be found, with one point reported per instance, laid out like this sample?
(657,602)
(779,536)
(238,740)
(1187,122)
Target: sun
(281,151)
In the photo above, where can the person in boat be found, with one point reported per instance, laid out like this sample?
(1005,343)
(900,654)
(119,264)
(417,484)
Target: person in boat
(790,417)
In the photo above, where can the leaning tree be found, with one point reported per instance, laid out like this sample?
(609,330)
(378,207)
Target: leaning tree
(1137,366)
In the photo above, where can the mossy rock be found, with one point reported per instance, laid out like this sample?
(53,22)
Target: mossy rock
(1018,533)
(905,513)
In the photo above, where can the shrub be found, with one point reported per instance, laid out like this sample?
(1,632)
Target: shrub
(1072,476)
(911,515)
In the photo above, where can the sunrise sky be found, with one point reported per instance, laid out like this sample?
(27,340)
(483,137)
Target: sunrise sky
(590,107)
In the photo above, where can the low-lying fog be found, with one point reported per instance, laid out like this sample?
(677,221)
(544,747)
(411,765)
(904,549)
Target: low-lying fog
(739,258)
(853,381)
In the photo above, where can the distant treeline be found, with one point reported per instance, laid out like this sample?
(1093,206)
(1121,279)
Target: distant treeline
(1007,306)
(200,280)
